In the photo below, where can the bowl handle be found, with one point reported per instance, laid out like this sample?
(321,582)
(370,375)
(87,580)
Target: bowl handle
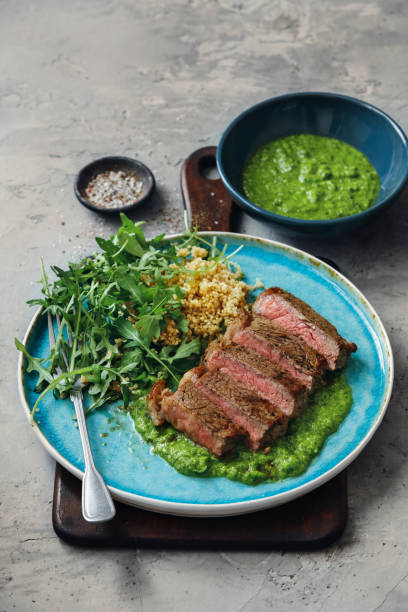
(206,200)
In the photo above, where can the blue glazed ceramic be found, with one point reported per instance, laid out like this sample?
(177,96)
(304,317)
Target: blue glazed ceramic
(363,126)
(138,477)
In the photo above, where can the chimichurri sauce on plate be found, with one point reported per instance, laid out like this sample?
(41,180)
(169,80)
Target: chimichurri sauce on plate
(310,177)
(290,456)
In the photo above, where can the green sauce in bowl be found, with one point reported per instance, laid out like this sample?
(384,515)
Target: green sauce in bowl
(310,177)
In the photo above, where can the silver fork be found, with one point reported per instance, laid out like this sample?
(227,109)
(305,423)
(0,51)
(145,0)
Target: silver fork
(97,504)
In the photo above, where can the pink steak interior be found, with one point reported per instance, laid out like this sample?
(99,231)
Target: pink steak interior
(287,317)
(245,338)
(268,388)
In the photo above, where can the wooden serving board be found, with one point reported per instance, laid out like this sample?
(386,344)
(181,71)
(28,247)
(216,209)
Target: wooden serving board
(312,521)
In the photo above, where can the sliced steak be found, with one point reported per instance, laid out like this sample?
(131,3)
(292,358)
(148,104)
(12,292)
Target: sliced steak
(258,374)
(263,422)
(284,349)
(298,318)
(153,402)
(191,412)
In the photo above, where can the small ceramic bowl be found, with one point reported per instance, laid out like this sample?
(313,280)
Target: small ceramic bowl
(363,126)
(106,164)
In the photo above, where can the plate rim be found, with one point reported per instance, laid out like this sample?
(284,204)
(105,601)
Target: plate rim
(239,507)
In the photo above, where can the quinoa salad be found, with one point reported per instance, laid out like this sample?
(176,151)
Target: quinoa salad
(212,296)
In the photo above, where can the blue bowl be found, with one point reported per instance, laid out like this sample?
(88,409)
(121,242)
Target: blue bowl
(362,125)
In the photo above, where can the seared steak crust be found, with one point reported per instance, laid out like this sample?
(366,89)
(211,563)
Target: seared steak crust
(262,421)
(259,363)
(297,351)
(191,412)
(297,317)
(283,348)
(153,402)
(259,374)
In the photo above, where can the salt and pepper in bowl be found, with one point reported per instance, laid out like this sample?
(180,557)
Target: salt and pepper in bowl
(112,185)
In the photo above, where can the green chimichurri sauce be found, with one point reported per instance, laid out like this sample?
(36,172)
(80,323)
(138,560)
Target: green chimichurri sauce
(310,177)
(290,456)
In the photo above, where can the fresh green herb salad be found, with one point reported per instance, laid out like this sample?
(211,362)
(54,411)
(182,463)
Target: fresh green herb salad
(125,310)
(132,311)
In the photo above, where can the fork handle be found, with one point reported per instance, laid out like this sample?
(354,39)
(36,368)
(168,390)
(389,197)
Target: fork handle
(97,504)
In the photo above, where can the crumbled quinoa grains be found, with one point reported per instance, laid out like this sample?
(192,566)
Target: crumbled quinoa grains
(212,296)
(184,252)
(199,252)
(171,334)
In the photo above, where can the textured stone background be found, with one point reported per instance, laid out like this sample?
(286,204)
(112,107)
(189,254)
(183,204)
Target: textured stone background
(155,80)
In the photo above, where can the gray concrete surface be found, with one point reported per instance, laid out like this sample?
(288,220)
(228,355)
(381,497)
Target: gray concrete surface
(155,80)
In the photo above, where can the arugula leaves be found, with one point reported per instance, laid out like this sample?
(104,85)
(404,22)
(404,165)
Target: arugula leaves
(115,304)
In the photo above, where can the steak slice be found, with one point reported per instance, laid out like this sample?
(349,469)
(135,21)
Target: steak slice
(263,422)
(298,318)
(258,374)
(153,402)
(191,412)
(284,349)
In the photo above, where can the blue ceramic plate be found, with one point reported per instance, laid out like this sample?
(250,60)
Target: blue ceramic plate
(138,477)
